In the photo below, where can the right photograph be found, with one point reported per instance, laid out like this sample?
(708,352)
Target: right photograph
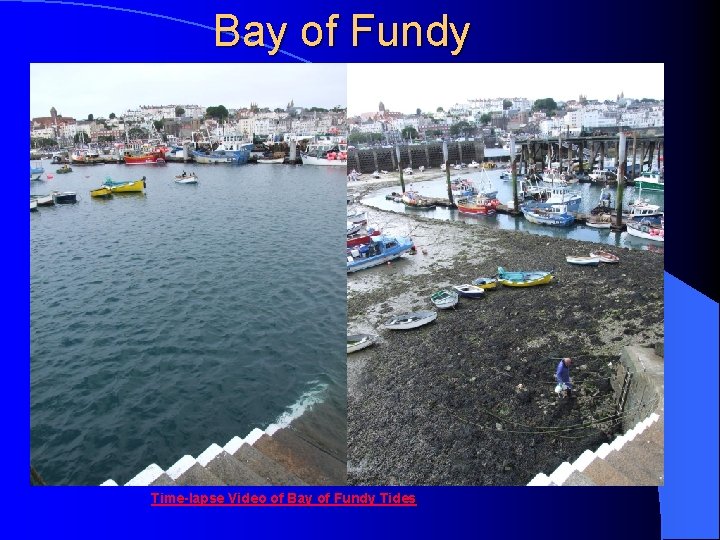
(505,267)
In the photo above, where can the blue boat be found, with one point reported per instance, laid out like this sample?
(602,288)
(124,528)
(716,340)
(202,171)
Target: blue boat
(36,172)
(380,250)
(547,214)
(238,157)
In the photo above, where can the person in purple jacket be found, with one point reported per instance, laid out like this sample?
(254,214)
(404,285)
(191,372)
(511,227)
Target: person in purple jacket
(562,375)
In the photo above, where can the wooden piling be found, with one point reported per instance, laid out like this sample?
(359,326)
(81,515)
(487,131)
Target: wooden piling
(620,184)
(513,173)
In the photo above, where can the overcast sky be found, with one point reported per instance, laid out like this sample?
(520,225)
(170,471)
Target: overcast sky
(77,90)
(406,87)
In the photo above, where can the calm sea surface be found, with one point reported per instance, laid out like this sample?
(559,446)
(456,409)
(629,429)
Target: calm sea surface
(590,198)
(163,322)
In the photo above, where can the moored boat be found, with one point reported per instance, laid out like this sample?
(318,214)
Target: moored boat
(651,180)
(583,261)
(271,161)
(444,299)
(523,279)
(63,170)
(556,215)
(412,199)
(605,257)
(477,206)
(646,230)
(356,342)
(185,178)
(407,321)
(485,282)
(33,205)
(44,200)
(380,250)
(102,191)
(64,197)
(469,291)
(144,158)
(135,186)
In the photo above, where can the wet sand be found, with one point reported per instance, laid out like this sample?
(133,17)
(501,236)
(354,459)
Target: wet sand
(468,399)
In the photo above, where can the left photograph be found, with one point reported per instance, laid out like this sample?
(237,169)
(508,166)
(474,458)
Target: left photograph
(187,299)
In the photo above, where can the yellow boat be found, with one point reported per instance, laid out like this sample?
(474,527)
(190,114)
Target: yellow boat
(523,279)
(485,282)
(103,191)
(128,187)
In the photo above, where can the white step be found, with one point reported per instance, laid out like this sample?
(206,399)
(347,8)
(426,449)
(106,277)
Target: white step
(147,476)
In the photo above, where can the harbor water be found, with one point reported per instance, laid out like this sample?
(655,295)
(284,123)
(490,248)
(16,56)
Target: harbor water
(590,198)
(166,321)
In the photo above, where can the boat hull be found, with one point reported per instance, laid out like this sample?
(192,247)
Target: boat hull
(128,187)
(606,257)
(469,291)
(67,197)
(358,342)
(650,186)
(44,200)
(408,321)
(101,192)
(311,160)
(646,233)
(485,283)
(583,261)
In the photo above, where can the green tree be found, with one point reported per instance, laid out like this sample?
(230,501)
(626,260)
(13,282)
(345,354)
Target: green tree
(105,138)
(219,113)
(179,111)
(547,105)
(462,128)
(138,133)
(485,119)
(418,112)
(112,116)
(91,117)
(42,142)
(81,137)
(409,132)
(507,104)
(159,124)
(440,109)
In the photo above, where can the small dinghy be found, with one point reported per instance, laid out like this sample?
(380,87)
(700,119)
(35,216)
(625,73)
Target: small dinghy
(66,197)
(406,321)
(357,342)
(485,282)
(583,261)
(605,257)
(186,179)
(469,291)
(444,299)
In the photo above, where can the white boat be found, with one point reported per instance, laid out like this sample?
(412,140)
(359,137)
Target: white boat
(469,291)
(584,261)
(43,200)
(407,170)
(326,154)
(561,194)
(445,299)
(406,321)
(186,178)
(33,205)
(651,180)
(270,161)
(357,342)
(473,165)
(606,257)
(646,230)
(600,222)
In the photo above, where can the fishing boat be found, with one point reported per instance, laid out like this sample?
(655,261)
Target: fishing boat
(380,250)
(478,206)
(469,291)
(217,156)
(583,261)
(412,199)
(606,257)
(556,215)
(326,153)
(357,342)
(135,186)
(485,282)
(463,188)
(444,299)
(44,200)
(65,197)
(406,321)
(361,236)
(651,180)
(144,158)
(33,205)
(102,191)
(646,230)
(523,279)
(185,178)
(561,194)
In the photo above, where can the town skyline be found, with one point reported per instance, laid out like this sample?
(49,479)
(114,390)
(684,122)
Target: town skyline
(446,85)
(77,90)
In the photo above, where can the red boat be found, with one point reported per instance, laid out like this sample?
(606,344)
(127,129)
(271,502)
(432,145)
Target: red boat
(482,206)
(144,158)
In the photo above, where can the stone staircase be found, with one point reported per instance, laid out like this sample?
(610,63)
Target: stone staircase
(287,456)
(635,458)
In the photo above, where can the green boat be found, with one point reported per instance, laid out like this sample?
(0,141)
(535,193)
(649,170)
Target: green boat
(651,181)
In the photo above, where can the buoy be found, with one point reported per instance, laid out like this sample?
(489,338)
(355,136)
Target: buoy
(50,176)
